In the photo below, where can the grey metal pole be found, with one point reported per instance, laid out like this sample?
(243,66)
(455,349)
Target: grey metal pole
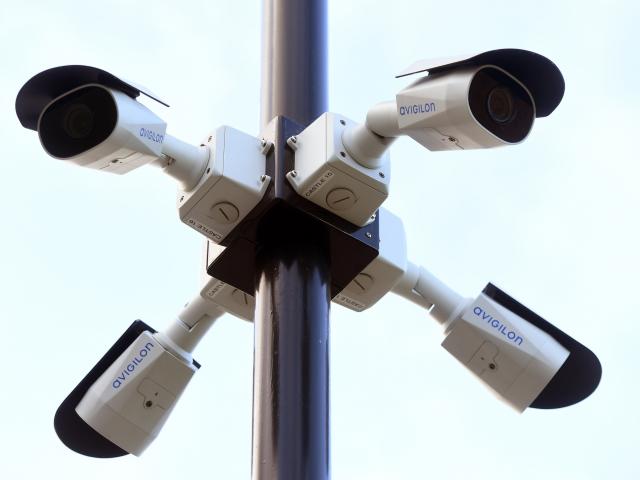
(293,281)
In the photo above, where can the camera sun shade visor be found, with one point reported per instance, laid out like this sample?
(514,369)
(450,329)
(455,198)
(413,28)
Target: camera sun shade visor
(539,74)
(72,430)
(42,88)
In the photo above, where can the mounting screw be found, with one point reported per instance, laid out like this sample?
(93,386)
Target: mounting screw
(265,146)
(293,173)
(293,142)
(263,178)
(368,234)
(381,174)
(453,139)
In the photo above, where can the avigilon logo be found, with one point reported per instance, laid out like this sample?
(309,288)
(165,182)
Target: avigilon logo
(131,367)
(498,325)
(151,135)
(417,108)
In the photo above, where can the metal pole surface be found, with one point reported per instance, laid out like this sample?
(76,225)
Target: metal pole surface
(291,369)
(294,60)
(291,357)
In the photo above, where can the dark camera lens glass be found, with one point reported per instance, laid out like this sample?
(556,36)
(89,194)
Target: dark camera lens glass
(501,104)
(78,122)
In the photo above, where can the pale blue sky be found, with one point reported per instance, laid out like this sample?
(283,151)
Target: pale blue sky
(553,221)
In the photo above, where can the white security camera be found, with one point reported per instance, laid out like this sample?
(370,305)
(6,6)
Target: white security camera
(90,117)
(124,401)
(482,101)
(524,359)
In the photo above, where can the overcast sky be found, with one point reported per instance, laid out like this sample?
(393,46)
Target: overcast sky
(553,221)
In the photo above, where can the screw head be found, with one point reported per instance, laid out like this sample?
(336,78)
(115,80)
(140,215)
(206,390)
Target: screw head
(224,213)
(341,199)
(363,282)
(368,234)
(381,174)
(294,173)
(263,178)
(240,297)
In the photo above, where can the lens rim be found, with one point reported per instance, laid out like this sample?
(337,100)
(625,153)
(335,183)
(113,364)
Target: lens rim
(483,82)
(58,140)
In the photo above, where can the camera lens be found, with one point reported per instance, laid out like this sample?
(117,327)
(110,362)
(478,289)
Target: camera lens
(78,121)
(500,105)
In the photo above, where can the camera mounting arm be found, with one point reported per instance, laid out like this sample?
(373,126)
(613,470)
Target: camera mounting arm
(122,403)
(425,289)
(183,161)
(190,326)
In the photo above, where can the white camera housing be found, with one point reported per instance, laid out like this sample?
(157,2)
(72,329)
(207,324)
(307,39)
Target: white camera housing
(441,113)
(233,183)
(523,359)
(132,135)
(480,101)
(90,117)
(511,356)
(131,401)
(327,174)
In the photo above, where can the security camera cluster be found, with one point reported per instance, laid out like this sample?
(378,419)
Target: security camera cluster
(89,117)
